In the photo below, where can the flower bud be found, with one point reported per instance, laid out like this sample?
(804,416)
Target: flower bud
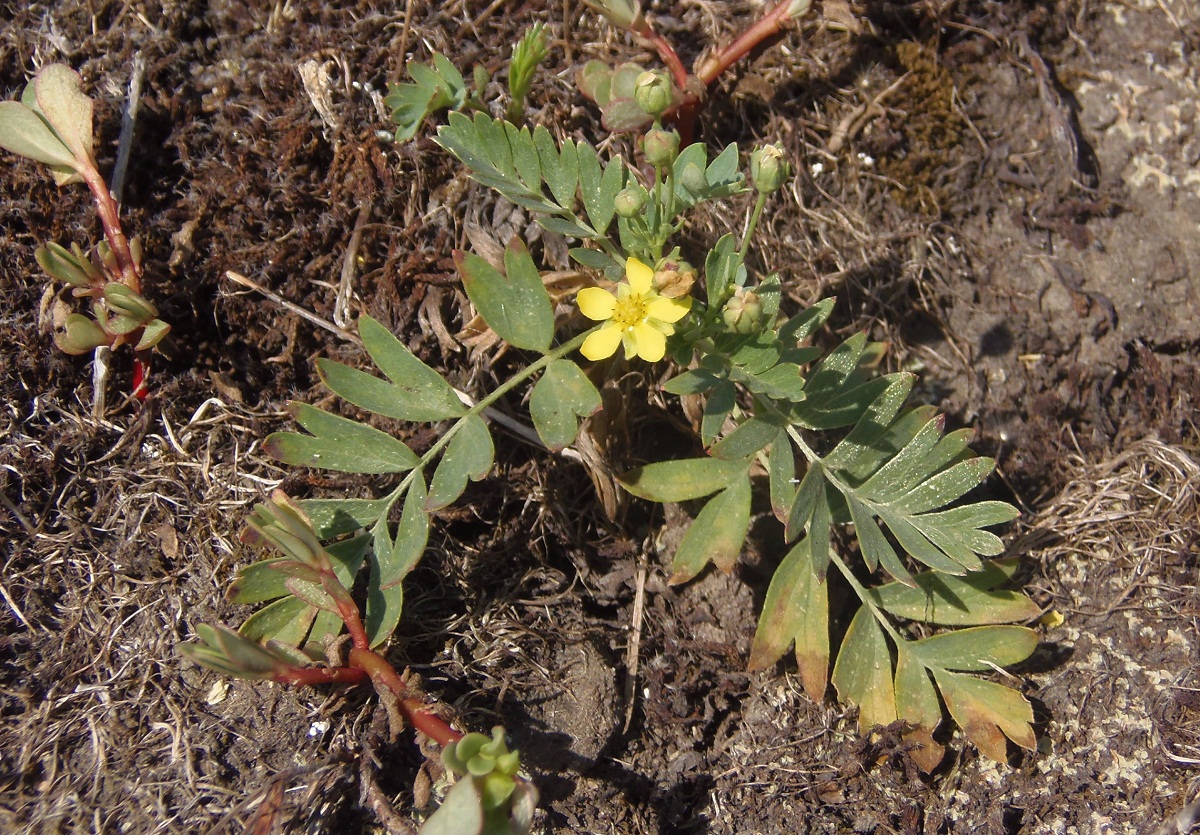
(674,279)
(661,147)
(629,202)
(768,169)
(652,93)
(743,312)
(624,13)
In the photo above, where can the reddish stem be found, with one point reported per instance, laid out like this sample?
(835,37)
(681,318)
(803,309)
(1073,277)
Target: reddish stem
(131,273)
(770,24)
(312,676)
(384,677)
(665,51)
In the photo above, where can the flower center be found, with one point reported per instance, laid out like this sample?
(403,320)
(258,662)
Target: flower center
(630,310)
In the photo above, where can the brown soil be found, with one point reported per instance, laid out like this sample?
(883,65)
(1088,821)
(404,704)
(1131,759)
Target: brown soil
(1005,192)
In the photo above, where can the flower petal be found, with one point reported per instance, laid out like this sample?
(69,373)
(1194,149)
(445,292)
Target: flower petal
(603,343)
(596,303)
(641,277)
(650,341)
(669,310)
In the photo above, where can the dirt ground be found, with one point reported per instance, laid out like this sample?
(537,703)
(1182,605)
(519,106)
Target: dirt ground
(1006,192)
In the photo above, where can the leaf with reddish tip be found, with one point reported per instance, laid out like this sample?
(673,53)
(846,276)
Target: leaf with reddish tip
(796,609)
(717,535)
(988,712)
(863,672)
(917,704)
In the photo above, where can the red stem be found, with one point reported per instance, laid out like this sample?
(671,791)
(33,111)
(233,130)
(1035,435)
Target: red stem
(131,274)
(312,676)
(665,51)
(772,23)
(384,677)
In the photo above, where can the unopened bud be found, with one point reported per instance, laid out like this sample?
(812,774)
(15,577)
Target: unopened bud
(768,169)
(674,279)
(624,13)
(652,93)
(743,312)
(661,147)
(629,202)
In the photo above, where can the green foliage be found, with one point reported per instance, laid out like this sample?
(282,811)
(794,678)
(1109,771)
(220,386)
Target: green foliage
(52,124)
(432,88)
(530,51)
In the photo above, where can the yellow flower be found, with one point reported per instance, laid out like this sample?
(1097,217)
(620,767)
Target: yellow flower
(637,316)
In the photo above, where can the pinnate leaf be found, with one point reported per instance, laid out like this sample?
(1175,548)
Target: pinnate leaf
(514,303)
(987,712)
(717,535)
(468,456)
(863,672)
(338,443)
(917,704)
(796,609)
(559,398)
(684,479)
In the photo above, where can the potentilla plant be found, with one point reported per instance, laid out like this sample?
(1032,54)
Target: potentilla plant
(52,124)
(831,438)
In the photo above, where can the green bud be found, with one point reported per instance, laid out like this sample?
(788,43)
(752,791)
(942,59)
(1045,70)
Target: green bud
(652,93)
(768,169)
(624,13)
(660,147)
(65,265)
(630,202)
(743,312)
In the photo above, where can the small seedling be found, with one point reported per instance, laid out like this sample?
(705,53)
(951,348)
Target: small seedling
(52,124)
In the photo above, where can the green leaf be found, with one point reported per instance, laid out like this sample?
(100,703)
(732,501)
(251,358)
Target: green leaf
(392,563)
(461,813)
(922,549)
(905,467)
(599,187)
(468,456)
(394,560)
(717,408)
(806,498)
(338,443)
(977,648)
(917,704)
(524,155)
(61,100)
(781,467)
(874,546)
(432,88)
(684,479)
(416,392)
(723,174)
(874,422)
(563,393)
(80,335)
(723,270)
(958,601)
(796,609)
(155,331)
(696,381)
(987,712)
(334,517)
(516,306)
(717,535)
(287,621)
(863,672)
(262,581)
(804,325)
(560,167)
(749,437)
(946,486)
(24,133)
(822,412)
